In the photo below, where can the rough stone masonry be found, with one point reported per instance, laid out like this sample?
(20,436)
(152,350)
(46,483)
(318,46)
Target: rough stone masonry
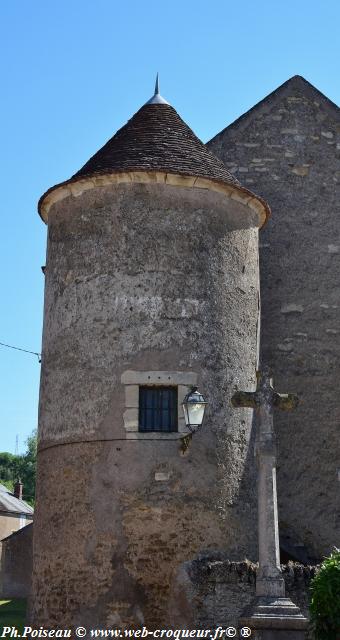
(153,270)
(151,278)
(287,148)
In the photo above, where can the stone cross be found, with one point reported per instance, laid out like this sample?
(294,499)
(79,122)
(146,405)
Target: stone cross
(269,580)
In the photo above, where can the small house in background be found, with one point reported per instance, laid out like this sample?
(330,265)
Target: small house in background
(14,512)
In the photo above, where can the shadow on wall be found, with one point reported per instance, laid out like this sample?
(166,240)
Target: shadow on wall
(16,564)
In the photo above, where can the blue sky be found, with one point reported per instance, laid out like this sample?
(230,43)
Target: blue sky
(73,72)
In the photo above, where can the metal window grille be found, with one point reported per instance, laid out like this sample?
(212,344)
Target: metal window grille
(158,409)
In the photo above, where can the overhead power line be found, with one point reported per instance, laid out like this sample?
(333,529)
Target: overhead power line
(10,346)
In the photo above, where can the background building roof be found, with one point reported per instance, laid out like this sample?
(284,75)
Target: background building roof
(10,504)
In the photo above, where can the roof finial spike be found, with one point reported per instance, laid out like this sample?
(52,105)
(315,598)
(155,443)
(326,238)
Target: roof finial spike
(157,98)
(157,85)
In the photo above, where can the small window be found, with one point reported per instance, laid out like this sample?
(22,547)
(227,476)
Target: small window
(158,409)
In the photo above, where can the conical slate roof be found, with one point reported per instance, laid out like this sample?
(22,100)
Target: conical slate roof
(157,139)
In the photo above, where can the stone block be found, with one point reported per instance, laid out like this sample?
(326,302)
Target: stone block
(159,377)
(292,308)
(327,134)
(300,171)
(182,428)
(182,391)
(162,476)
(130,417)
(287,346)
(132,396)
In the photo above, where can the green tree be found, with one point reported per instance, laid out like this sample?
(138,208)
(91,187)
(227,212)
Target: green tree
(27,470)
(22,466)
(325,602)
(9,468)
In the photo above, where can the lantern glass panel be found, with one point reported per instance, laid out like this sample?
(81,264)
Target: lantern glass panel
(196,413)
(185,411)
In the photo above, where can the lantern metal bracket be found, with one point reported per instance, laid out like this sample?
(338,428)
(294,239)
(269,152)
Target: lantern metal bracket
(185,442)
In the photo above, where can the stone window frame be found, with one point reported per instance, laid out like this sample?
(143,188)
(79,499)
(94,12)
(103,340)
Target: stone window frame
(132,380)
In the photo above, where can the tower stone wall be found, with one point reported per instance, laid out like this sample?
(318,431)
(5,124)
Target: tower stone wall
(287,148)
(141,279)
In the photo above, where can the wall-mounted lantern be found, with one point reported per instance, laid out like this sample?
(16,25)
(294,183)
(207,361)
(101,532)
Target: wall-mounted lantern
(194,405)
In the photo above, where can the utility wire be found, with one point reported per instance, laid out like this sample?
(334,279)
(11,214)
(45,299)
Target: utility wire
(9,346)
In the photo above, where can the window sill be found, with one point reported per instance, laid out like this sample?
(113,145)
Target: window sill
(156,435)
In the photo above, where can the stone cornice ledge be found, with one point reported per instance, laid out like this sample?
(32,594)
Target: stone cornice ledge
(75,188)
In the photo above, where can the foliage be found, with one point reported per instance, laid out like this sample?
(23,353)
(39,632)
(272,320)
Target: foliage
(8,466)
(22,466)
(12,614)
(325,603)
(9,484)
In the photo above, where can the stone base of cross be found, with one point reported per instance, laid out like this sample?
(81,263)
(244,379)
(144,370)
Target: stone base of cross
(271,618)
(272,612)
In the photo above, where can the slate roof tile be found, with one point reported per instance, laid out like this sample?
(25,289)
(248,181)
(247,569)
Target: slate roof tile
(10,504)
(156,138)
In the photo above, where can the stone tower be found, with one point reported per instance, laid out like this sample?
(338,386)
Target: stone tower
(151,287)
(287,148)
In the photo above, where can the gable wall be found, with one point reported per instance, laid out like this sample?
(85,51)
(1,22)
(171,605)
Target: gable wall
(287,150)
(10,522)
(16,564)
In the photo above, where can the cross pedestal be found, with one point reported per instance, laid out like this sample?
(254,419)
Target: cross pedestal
(272,615)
